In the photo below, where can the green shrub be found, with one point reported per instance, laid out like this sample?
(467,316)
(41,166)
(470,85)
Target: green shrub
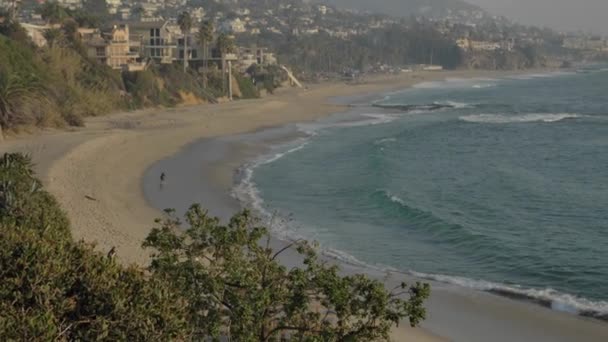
(52,288)
(210,281)
(248,89)
(23,202)
(236,287)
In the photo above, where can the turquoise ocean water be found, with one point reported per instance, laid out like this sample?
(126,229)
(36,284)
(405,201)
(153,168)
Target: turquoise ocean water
(495,184)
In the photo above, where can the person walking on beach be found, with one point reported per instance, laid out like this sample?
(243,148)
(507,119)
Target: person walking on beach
(162,179)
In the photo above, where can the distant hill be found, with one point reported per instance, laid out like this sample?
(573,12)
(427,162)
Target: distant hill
(403,8)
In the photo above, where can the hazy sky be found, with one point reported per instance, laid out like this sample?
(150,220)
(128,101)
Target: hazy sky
(559,14)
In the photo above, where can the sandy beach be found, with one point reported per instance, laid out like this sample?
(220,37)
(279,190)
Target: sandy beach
(106,160)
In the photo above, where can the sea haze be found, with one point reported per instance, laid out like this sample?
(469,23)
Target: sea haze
(496,184)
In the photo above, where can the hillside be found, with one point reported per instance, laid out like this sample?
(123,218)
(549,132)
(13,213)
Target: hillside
(427,8)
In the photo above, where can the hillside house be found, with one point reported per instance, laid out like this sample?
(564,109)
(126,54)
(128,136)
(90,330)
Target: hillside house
(158,41)
(112,47)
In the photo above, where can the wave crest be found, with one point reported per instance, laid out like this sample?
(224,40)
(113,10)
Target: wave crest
(547,297)
(504,119)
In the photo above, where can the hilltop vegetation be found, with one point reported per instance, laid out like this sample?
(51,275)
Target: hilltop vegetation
(58,85)
(206,281)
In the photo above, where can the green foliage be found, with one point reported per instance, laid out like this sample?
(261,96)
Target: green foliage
(52,288)
(19,81)
(205,33)
(204,38)
(55,85)
(184,20)
(143,88)
(23,202)
(81,88)
(210,281)
(52,12)
(163,85)
(236,287)
(248,89)
(267,77)
(10,27)
(53,37)
(225,44)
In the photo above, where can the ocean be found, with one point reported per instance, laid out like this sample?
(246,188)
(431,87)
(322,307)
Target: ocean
(495,184)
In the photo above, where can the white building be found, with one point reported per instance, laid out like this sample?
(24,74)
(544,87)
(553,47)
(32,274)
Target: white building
(473,45)
(198,14)
(71,4)
(113,6)
(233,26)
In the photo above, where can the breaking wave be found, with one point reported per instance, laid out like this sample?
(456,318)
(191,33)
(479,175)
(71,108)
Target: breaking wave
(519,118)
(421,108)
(483,86)
(547,297)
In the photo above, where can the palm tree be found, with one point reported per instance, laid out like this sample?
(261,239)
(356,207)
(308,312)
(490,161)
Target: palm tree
(185,24)
(205,36)
(53,37)
(13,9)
(138,12)
(52,12)
(225,44)
(14,89)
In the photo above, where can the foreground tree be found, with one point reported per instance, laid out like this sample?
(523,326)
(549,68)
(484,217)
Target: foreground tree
(210,281)
(237,288)
(55,289)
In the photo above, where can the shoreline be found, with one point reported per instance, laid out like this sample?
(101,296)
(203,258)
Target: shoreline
(107,159)
(494,309)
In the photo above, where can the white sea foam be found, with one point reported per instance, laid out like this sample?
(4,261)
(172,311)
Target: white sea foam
(454,104)
(394,198)
(517,118)
(546,75)
(384,141)
(557,300)
(448,83)
(369,119)
(429,85)
(246,190)
(484,85)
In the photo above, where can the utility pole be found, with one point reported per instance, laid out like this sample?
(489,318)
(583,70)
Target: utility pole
(230,80)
